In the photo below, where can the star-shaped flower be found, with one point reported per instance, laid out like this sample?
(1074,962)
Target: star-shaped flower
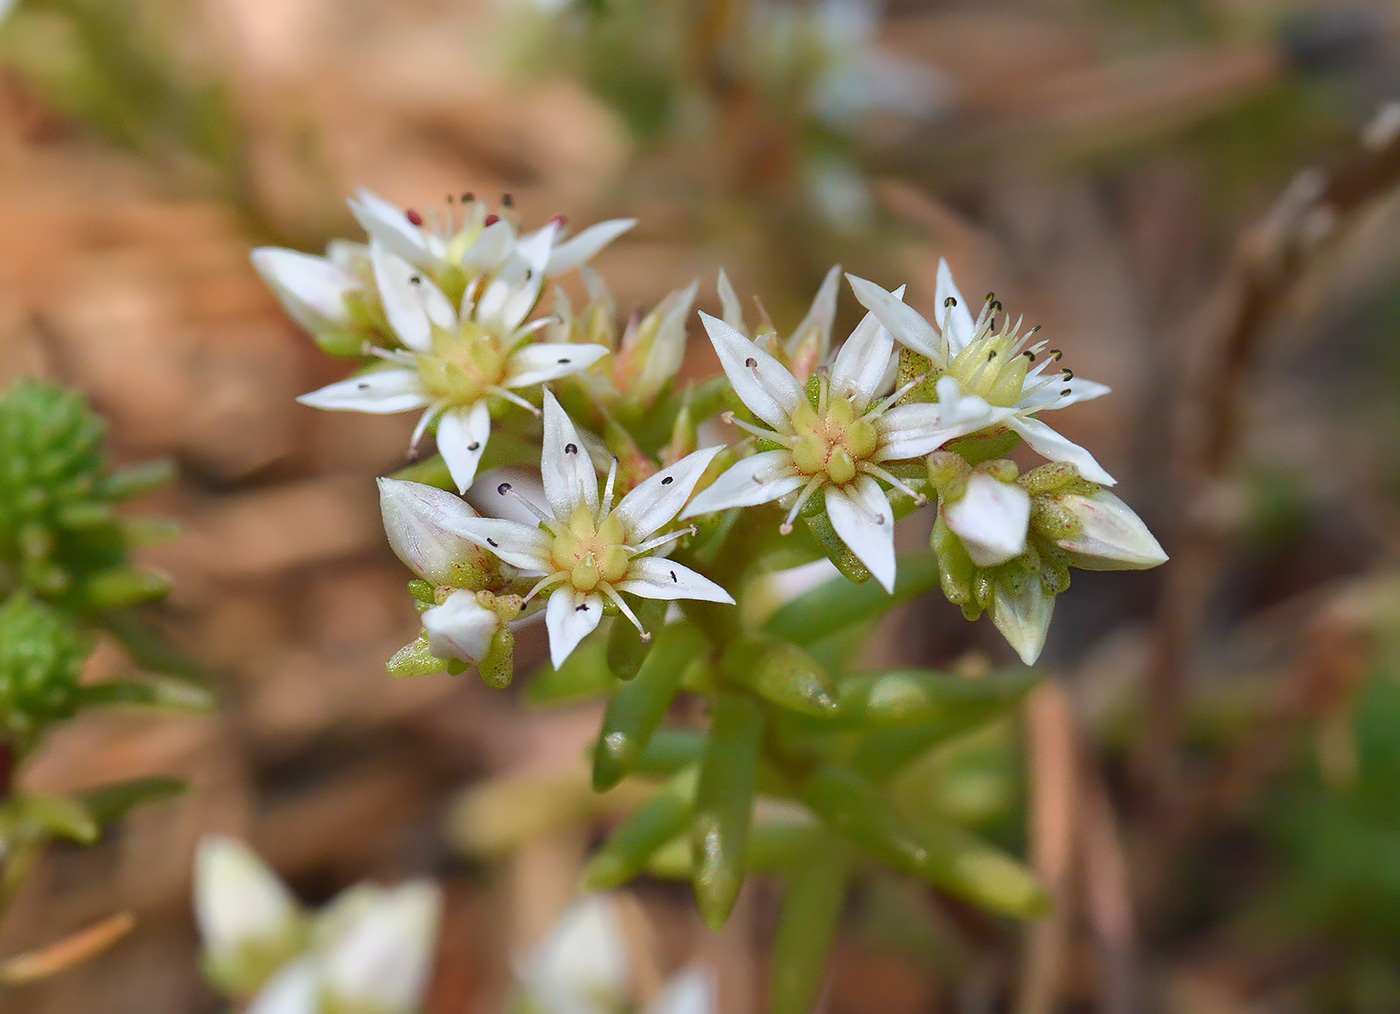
(456,361)
(836,443)
(987,371)
(587,550)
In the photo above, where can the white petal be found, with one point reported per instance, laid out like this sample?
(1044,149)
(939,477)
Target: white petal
(901,320)
(519,545)
(582,962)
(863,361)
(1049,444)
(862,516)
(730,306)
(419,522)
(461,440)
(959,318)
(381,392)
(911,431)
(382,959)
(659,498)
(313,289)
(460,627)
(759,478)
(662,361)
(491,248)
(238,900)
(958,408)
(1054,396)
(991,518)
(655,577)
(390,226)
(570,616)
(534,247)
(1024,619)
(542,361)
(692,991)
(814,333)
(766,387)
(1114,537)
(406,302)
(573,252)
(567,470)
(295,989)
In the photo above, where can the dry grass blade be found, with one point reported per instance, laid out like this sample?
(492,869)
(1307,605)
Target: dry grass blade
(66,953)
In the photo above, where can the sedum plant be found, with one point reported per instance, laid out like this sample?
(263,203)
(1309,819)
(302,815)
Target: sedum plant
(645,553)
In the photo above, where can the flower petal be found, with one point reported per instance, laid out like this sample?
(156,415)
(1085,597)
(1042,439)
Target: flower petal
(238,900)
(729,303)
(659,498)
(543,361)
(461,440)
(582,962)
(1023,619)
(655,577)
(863,361)
(761,382)
(1049,444)
(809,343)
(390,226)
(991,519)
(312,289)
(958,408)
(901,320)
(491,248)
(518,544)
(295,989)
(956,320)
(1062,394)
(570,616)
(418,521)
(380,959)
(911,431)
(567,470)
(405,301)
(1113,537)
(692,991)
(380,392)
(460,627)
(759,478)
(861,514)
(571,253)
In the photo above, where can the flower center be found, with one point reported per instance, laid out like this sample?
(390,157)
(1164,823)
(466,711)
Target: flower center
(993,367)
(832,439)
(591,552)
(463,365)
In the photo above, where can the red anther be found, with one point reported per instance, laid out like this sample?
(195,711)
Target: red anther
(413,217)
(558,220)
(491,220)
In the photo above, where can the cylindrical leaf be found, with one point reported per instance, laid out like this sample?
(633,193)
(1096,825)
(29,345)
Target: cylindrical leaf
(859,811)
(834,606)
(811,913)
(782,673)
(923,697)
(724,805)
(626,649)
(630,847)
(638,706)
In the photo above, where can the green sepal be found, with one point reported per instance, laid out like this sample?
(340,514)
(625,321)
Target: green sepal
(638,706)
(497,666)
(414,659)
(423,591)
(341,342)
(166,693)
(984,445)
(835,605)
(631,846)
(626,649)
(110,803)
(724,805)
(807,925)
(957,574)
(584,675)
(781,672)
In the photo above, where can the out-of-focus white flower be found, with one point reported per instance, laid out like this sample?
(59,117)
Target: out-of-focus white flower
(377,954)
(991,518)
(1110,537)
(588,550)
(455,363)
(581,967)
(249,921)
(837,447)
(986,371)
(691,991)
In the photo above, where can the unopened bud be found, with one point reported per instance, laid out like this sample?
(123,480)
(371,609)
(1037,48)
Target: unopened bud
(991,518)
(1110,537)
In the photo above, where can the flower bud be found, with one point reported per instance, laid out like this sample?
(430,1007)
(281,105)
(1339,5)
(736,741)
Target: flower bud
(419,521)
(991,519)
(1110,536)
(250,923)
(462,627)
(1023,618)
(378,950)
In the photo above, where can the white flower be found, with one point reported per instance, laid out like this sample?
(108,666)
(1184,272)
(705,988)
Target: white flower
(836,447)
(315,291)
(454,362)
(986,370)
(296,989)
(249,921)
(1112,536)
(587,550)
(581,965)
(810,342)
(378,947)
(691,991)
(991,518)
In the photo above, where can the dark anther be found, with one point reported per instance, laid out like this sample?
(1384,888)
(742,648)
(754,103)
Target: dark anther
(1056,355)
(571,448)
(751,362)
(503,488)
(415,279)
(490,220)
(996,305)
(951,301)
(991,355)
(529,273)
(1029,355)
(363,385)
(493,543)
(507,201)
(475,445)
(668,480)
(564,361)
(413,217)
(1032,330)
(468,197)
(1067,373)
(674,578)
(991,297)
(581,609)
(1065,392)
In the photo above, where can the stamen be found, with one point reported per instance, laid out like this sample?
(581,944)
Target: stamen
(513,398)
(544,583)
(489,220)
(422,427)
(624,609)
(762,434)
(660,540)
(880,409)
(1067,373)
(414,217)
(873,469)
(605,504)
(505,489)
(534,326)
(391,355)
(786,527)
